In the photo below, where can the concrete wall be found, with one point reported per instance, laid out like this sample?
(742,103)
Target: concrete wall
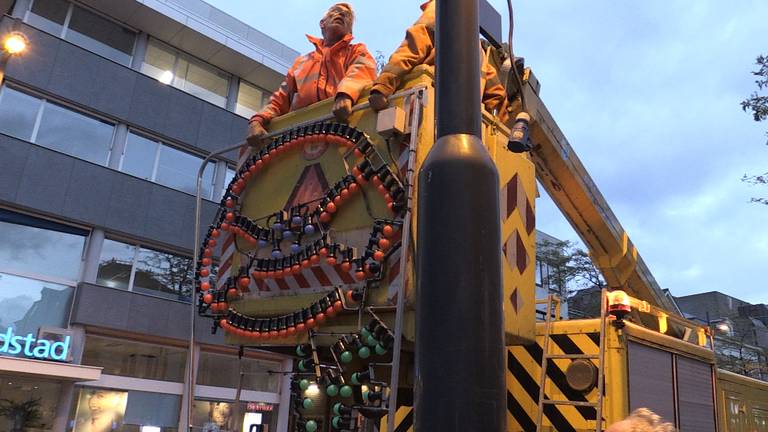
(49,182)
(138,313)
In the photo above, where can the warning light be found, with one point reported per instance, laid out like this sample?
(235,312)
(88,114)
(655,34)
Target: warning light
(618,304)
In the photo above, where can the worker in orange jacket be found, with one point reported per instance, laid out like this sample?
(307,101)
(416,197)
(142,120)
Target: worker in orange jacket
(336,68)
(417,48)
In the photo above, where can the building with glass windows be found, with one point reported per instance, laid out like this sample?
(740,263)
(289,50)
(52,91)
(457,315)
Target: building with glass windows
(104,121)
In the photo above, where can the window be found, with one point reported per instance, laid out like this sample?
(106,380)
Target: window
(250,99)
(219,415)
(222,371)
(134,268)
(74,134)
(101,409)
(154,161)
(41,248)
(37,120)
(84,28)
(135,360)
(184,72)
(49,15)
(17,390)
(27,304)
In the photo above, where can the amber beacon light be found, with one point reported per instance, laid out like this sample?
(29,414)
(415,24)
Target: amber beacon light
(618,304)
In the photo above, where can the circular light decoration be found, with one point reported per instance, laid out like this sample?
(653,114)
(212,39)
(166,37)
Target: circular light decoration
(297,238)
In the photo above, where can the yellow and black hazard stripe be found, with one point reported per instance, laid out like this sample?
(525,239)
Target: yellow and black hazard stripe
(403,420)
(524,366)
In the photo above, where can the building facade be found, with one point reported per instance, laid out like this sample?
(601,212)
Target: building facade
(104,121)
(741,334)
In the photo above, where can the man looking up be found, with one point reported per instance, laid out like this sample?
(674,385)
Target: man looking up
(336,68)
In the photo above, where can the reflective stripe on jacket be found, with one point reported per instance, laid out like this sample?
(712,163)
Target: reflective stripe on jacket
(418,47)
(321,74)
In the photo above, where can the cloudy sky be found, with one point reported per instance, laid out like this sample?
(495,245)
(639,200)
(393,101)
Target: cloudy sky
(648,95)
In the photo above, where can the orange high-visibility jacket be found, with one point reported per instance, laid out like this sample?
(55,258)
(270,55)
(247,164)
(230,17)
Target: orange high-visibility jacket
(418,47)
(321,74)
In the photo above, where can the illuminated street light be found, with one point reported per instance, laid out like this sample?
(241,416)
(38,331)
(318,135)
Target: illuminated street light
(723,327)
(14,43)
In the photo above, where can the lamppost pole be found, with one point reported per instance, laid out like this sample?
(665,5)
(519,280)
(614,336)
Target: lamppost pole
(459,322)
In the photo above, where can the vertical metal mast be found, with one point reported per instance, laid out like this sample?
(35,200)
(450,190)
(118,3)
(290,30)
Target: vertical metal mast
(459,341)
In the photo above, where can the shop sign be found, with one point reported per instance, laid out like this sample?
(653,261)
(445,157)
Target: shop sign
(259,406)
(33,347)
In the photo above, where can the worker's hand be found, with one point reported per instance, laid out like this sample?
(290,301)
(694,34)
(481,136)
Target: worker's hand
(256,133)
(378,101)
(342,108)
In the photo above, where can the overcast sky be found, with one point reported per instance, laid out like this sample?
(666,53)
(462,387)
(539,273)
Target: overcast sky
(648,95)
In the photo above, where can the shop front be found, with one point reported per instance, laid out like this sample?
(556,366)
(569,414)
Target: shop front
(124,373)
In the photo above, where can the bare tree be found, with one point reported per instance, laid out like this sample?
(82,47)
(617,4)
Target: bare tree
(735,355)
(757,105)
(569,267)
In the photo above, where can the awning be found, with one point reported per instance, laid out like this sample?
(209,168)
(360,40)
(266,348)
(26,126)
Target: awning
(48,369)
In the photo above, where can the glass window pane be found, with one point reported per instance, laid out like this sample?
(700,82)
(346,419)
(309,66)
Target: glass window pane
(164,274)
(228,176)
(177,169)
(103,410)
(28,304)
(220,370)
(19,390)
(115,264)
(48,15)
(202,81)
(136,360)
(139,156)
(218,415)
(75,134)
(100,35)
(18,112)
(250,100)
(154,410)
(39,251)
(158,62)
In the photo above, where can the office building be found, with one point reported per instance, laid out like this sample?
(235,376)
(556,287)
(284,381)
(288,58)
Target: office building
(104,121)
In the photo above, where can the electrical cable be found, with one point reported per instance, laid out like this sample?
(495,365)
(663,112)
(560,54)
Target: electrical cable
(513,70)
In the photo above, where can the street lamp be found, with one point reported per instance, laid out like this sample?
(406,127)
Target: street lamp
(14,43)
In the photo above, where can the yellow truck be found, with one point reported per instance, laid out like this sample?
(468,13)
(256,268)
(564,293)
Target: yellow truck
(317,236)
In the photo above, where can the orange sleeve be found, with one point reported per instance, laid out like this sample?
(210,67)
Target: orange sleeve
(360,72)
(413,51)
(494,95)
(280,101)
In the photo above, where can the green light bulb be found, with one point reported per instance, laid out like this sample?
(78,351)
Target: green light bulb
(310,426)
(304,384)
(337,408)
(380,350)
(364,352)
(371,341)
(346,391)
(364,332)
(307,403)
(346,357)
(365,396)
(336,422)
(332,390)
